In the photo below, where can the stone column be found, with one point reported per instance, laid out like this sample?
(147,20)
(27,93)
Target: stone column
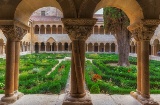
(39,45)
(145,85)
(87,47)
(92,47)
(144,31)
(136,49)
(98,47)
(51,28)
(68,46)
(132,48)
(13,34)
(104,50)
(57,47)
(45,29)
(78,30)
(110,47)
(63,47)
(45,44)
(39,29)
(51,47)
(152,49)
(4,49)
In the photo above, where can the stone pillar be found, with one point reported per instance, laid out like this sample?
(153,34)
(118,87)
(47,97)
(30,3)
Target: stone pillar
(143,33)
(132,48)
(92,47)
(39,45)
(104,50)
(57,47)
(68,47)
(145,86)
(45,44)
(87,47)
(136,49)
(63,47)
(51,47)
(78,30)
(13,34)
(110,47)
(51,29)
(98,47)
(45,29)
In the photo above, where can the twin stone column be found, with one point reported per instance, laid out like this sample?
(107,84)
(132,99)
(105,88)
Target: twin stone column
(13,34)
(142,33)
(78,30)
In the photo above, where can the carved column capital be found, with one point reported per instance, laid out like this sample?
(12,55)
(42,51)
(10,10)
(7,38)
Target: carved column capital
(13,32)
(144,29)
(79,29)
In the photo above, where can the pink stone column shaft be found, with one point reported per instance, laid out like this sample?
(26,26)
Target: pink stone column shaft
(145,85)
(138,67)
(10,65)
(16,72)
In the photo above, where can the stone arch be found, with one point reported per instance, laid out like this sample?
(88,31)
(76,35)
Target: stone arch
(48,46)
(96,29)
(48,29)
(36,47)
(156,47)
(65,46)
(90,47)
(36,29)
(134,11)
(101,29)
(60,29)
(107,47)
(42,29)
(59,46)
(54,30)
(42,46)
(54,46)
(25,8)
(113,46)
(101,47)
(96,47)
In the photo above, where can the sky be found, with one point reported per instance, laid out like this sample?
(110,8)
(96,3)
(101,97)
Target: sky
(99,11)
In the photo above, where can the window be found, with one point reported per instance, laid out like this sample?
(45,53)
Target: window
(42,13)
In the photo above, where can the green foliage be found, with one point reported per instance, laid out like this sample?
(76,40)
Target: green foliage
(95,89)
(114,19)
(118,79)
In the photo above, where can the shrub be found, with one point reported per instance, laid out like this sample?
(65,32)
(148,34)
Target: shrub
(95,89)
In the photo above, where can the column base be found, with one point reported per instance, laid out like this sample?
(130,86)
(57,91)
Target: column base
(142,100)
(9,100)
(146,101)
(18,94)
(69,100)
(134,94)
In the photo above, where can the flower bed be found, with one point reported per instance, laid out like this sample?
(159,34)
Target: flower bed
(33,77)
(117,79)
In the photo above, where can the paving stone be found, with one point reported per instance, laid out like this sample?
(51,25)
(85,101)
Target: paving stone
(156,97)
(124,100)
(102,99)
(37,99)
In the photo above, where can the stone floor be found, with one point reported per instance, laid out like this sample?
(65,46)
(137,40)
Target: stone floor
(97,99)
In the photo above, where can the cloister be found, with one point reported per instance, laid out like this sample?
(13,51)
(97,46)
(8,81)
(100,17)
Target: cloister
(78,21)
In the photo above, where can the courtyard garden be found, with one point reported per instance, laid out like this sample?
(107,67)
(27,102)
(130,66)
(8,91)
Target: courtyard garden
(102,74)
(36,76)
